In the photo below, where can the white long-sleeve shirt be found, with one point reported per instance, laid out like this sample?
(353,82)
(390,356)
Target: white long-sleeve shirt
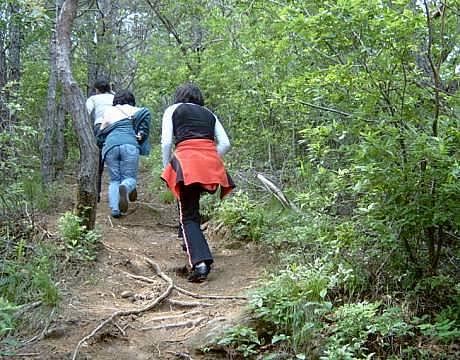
(98,103)
(222,141)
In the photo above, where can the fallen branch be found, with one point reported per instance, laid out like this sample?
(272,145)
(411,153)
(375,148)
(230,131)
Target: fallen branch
(181,355)
(43,332)
(168,317)
(138,277)
(213,297)
(276,192)
(150,206)
(119,313)
(187,323)
(319,107)
(26,308)
(24,354)
(187,303)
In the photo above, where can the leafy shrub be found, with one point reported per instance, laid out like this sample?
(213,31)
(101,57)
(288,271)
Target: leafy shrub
(241,339)
(80,242)
(27,275)
(245,218)
(359,331)
(6,319)
(157,186)
(292,302)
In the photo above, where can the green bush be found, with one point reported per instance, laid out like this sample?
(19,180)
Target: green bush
(157,186)
(241,339)
(6,318)
(26,275)
(245,218)
(80,242)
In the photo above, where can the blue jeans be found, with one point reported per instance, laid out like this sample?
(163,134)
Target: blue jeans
(123,164)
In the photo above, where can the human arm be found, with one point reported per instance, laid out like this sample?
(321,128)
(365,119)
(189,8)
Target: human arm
(167,134)
(90,105)
(142,124)
(223,143)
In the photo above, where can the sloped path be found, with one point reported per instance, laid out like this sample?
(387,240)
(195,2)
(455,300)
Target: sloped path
(94,292)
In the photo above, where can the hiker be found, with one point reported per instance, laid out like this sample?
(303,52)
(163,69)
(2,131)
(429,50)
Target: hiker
(96,106)
(99,102)
(195,167)
(123,136)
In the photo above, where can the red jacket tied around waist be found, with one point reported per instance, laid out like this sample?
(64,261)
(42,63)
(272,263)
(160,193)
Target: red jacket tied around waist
(197,161)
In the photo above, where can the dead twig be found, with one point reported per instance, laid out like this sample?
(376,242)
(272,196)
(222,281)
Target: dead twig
(277,193)
(119,328)
(120,313)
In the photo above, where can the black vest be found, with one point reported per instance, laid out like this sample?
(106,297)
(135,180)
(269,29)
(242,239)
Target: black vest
(191,121)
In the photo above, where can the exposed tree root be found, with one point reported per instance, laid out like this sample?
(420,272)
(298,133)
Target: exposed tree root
(119,313)
(155,302)
(182,290)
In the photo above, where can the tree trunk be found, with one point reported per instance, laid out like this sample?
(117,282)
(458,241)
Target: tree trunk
(48,170)
(100,46)
(53,154)
(75,101)
(14,56)
(3,77)
(60,153)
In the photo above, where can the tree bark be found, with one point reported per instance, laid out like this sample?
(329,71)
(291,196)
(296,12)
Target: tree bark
(48,170)
(75,101)
(60,153)
(53,154)
(14,56)
(3,78)
(100,48)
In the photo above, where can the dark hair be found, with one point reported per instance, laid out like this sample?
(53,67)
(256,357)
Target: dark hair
(124,97)
(102,85)
(188,93)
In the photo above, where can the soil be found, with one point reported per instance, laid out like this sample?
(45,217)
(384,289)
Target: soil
(95,290)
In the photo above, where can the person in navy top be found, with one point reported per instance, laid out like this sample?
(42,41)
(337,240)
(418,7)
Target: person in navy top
(195,167)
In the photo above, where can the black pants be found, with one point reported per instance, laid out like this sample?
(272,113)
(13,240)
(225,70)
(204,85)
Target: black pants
(190,220)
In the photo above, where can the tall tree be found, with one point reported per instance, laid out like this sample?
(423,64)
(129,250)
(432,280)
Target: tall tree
(87,192)
(53,123)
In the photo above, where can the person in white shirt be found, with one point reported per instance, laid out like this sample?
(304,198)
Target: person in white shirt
(99,102)
(96,106)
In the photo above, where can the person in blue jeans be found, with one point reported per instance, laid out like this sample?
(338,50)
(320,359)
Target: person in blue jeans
(121,150)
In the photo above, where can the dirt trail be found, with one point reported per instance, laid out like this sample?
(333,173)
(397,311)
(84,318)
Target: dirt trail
(95,291)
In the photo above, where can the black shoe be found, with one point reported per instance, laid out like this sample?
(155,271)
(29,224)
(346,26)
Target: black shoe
(115,214)
(133,195)
(123,202)
(199,274)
